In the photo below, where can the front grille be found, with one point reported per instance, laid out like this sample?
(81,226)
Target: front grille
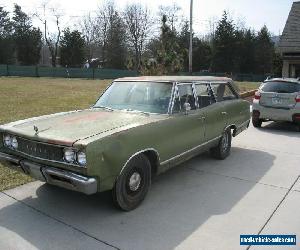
(40,150)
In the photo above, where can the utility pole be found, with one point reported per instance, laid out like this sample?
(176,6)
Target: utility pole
(191,39)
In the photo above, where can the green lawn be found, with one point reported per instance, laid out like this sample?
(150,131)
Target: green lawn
(21,98)
(28,97)
(246,86)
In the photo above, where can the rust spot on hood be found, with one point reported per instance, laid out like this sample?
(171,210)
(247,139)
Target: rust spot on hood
(93,116)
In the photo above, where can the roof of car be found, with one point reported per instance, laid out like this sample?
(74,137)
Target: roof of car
(293,80)
(175,78)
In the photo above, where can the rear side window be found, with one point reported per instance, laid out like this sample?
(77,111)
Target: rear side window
(223,92)
(204,95)
(280,87)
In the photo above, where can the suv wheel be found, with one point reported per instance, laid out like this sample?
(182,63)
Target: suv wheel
(133,184)
(221,151)
(256,122)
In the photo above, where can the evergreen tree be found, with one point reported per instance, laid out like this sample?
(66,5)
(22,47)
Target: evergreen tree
(201,55)
(244,51)
(184,43)
(201,50)
(6,39)
(28,40)
(72,48)
(169,56)
(277,65)
(264,51)
(224,46)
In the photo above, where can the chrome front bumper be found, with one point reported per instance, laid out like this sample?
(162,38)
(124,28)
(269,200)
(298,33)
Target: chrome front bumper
(54,176)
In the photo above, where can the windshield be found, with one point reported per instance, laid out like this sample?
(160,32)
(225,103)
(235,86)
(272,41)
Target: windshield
(280,87)
(150,97)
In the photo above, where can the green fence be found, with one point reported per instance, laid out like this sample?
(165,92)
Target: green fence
(35,71)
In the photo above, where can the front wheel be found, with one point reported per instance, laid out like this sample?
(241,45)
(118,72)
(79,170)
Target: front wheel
(133,183)
(221,151)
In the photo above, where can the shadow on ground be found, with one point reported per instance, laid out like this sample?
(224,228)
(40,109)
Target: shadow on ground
(179,202)
(281,128)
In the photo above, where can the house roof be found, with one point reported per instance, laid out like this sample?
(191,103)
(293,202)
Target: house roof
(290,39)
(175,78)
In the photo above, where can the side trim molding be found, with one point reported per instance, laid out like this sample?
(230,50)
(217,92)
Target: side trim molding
(190,150)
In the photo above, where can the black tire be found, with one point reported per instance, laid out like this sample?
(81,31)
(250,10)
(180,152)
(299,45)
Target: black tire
(133,184)
(221,151)
(256,122)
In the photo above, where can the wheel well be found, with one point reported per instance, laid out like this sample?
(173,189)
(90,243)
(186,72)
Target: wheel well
(153,159)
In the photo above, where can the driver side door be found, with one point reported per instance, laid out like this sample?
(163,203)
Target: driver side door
(188,127)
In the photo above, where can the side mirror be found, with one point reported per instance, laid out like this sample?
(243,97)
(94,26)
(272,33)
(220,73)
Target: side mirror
(186,108)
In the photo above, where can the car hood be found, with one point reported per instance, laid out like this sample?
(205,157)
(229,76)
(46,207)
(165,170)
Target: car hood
(69,127)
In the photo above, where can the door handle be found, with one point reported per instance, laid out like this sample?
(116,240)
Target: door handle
(224,113)
(202,118)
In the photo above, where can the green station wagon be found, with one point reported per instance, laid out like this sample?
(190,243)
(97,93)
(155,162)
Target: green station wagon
(138,128)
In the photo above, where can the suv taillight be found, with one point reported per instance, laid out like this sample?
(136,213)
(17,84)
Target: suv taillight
(297,99)
(257,95)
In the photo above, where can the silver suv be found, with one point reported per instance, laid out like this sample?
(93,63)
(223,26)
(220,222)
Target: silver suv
(277,99)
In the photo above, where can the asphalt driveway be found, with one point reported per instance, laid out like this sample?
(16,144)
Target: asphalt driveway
(202,204)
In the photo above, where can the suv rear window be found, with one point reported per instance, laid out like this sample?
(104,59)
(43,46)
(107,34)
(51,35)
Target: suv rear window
(280,87)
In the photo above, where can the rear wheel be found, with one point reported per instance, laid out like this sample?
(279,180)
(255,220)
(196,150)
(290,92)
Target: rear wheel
(133,184)
(221,151)
(256,122)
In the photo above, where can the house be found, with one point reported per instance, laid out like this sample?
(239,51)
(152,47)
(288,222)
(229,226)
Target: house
(289,44)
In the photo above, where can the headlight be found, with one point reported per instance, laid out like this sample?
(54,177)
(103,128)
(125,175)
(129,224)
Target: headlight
(69,155)
(14,142)
(7,140)
(81,158)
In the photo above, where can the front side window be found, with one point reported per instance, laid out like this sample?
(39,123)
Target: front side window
(151,97)
(223,92)
(185,95)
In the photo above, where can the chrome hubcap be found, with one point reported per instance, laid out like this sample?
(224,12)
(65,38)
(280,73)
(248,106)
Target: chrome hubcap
(135,181)
(225,141)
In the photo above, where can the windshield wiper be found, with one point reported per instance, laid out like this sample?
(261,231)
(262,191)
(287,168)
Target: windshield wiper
(103,107)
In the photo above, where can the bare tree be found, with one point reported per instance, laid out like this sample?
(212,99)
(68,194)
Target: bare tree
(90,28)
(172,12)
(137,20)
(51,39)
(105,16)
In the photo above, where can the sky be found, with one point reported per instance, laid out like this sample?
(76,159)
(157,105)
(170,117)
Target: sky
(253,13)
